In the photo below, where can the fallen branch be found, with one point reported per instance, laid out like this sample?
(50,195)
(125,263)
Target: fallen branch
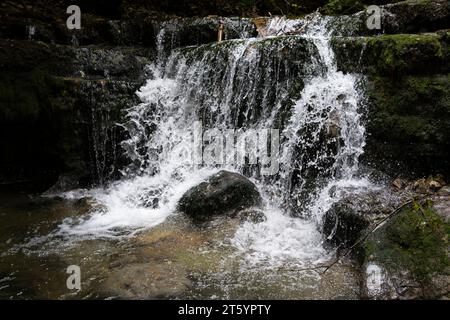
(361,239)
(364,237)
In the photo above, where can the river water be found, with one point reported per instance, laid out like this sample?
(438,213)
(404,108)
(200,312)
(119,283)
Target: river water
(128,238)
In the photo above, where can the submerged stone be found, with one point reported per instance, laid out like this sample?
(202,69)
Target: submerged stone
(161,280)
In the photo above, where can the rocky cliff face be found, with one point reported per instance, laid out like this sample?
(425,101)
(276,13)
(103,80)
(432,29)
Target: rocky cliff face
(407,89)
(51,122)
(63,91)
(408,122)
(59,108)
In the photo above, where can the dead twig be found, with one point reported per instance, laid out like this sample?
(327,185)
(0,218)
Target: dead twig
(361,239)
(364,237)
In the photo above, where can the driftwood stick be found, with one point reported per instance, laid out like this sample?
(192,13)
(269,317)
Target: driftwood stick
(364,237)
(361,239)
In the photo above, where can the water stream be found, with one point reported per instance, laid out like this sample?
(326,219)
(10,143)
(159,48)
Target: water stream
(282,81)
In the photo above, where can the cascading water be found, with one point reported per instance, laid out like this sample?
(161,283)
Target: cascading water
(290,83)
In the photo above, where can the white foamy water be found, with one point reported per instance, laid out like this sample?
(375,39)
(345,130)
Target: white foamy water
(328,100)
(279,241)
(242,84)
(125,207)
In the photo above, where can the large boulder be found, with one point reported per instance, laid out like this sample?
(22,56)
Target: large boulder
(347,220)
(408,256)
(223,193)
(402,248)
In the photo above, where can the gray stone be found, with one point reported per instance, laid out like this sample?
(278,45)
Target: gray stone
(223,193)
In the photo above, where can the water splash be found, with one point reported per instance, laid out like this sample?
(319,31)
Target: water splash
(324,138)
(285,82)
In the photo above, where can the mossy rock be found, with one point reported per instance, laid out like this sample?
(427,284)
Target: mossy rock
(349,218)
(290,56)
(394,55)
(408,124)
(412,250)
(397,17)
(408,102)
(50,124)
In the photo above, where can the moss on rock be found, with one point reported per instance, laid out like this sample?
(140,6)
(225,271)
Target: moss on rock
(394,55)
(413,246)
(49,122)
(409,124)
(408,99)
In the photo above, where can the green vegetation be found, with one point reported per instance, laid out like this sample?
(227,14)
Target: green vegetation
(398,52)
(394,55)
(415,240)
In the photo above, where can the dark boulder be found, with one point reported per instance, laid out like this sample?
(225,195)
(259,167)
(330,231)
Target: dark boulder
(410,16)
(346,221)
(223,193)
(343,224)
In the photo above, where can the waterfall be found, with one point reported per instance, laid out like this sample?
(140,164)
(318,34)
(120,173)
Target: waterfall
(282,80)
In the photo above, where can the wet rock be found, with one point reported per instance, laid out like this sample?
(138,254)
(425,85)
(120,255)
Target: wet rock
(420,186)
(407,257)
(444,191)
(399,184)
(349,218)
(333,126)
(408,130)
(62,135)
(441,203)
(182,32)
(394,55)
(223,193)
(64,183)
(89,204)
(401,17)
(442,207)
(252,215)
(147,281)
(427,186)
(118,63)
(435,185)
